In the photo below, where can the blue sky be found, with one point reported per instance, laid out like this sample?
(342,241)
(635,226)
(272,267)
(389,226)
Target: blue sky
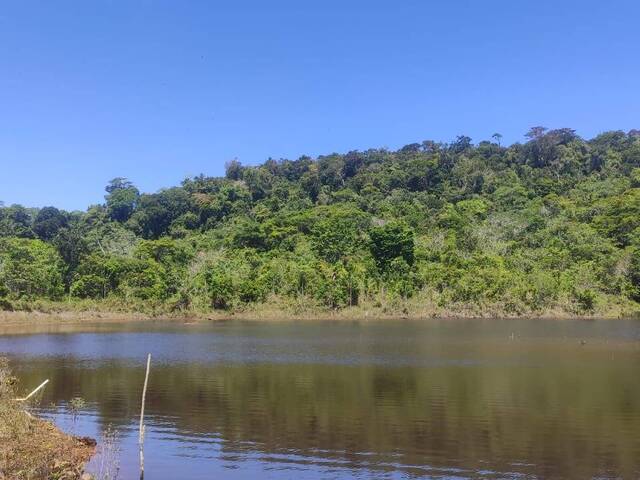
(156,91)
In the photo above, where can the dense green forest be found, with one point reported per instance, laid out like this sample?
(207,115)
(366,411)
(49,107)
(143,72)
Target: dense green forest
(551,224)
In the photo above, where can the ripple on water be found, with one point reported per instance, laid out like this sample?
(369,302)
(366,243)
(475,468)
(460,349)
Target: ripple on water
(437,399)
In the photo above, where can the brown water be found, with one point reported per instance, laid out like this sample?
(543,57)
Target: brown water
(435,399)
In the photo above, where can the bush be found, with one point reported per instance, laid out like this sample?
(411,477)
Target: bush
(30,268)
(586,300)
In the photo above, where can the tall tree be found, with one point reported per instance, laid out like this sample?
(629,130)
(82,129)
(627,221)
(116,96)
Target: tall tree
(122,197)
(48,222)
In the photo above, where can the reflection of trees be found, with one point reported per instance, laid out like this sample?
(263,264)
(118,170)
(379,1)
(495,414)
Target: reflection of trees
(576,422)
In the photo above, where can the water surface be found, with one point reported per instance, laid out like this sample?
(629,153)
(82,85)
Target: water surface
(322,400)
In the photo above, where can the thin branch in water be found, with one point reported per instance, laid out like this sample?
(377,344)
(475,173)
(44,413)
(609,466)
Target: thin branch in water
(33,392)
(141,437)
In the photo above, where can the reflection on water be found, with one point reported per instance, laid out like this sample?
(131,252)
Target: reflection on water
(441,399)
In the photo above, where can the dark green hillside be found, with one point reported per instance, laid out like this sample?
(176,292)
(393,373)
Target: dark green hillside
(549,225)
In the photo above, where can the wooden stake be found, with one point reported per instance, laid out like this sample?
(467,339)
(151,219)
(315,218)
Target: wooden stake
(33,393)
(141,437)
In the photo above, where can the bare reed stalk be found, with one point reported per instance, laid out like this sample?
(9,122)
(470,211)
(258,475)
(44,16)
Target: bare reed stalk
(141,437)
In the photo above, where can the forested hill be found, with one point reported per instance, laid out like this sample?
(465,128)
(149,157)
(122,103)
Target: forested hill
(548,225)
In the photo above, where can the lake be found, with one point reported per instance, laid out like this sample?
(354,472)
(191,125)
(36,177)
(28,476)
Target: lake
(450,399)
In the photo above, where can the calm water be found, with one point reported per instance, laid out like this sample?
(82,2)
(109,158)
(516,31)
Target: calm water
(434,399)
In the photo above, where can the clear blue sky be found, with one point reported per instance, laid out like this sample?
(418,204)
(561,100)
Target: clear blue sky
(156,91)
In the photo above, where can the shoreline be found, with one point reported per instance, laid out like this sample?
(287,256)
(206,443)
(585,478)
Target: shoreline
(31,447)
(271,314)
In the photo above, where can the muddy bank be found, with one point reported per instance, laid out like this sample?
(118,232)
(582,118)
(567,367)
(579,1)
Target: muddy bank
(59,313)
(31,448)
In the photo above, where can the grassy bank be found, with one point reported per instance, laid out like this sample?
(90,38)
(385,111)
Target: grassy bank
(278,308)
(31,448)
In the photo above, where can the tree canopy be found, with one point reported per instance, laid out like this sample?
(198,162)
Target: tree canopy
(550,223)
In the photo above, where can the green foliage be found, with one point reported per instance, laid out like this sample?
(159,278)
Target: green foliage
(121,199)
(551,223)
(16,221)
(336,287)
(48,222)
(225,282)
(621,216)
(337,233)
(390,241)
(97,276)
(634,273)
(248,233)
(586,300)
(400,278)
(157,211)
(30,268)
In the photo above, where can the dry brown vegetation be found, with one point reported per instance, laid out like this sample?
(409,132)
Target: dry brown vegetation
(31,448)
